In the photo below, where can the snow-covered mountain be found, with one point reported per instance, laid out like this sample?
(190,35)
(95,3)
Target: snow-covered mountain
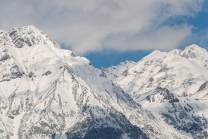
(202,92)
(195,54)
(188,116)
(173,86)
(169,70)
(47,92)
(114,72)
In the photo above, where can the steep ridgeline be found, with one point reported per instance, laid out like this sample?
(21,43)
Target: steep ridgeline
(182,75)
(173,86)
(195,54)
(202,92)
(188,116)
(46,92)
(114,72)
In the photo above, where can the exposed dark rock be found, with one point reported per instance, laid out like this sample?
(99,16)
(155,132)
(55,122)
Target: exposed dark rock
(99,128)
(28,42)
(103,74)
(203,86)
(165,93)
(31,74)
(15,72)
(12,33)
(163,69)
(125,73)
(151,79)
(19,43)
(190,127)
(11,117)
(108,132)
(47,73)
(104,133)
(72,54)
(5,57)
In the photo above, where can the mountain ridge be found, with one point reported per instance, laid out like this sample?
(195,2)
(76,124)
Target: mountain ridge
(47,92)
(173,86)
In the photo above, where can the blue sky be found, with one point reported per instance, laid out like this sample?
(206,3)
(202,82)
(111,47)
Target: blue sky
(108,32)
(107,59)
(200,27)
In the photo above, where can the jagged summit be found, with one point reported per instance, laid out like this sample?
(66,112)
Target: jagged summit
(191,51)
(194,51)
(173,86)
(25,36)
(167,69)
(47,92)
(29,28)
(194,47)
(26,31)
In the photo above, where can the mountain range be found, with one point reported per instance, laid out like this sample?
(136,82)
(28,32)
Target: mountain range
(48,92)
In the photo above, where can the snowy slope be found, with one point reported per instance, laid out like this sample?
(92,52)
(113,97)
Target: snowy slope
(167,70)
(202,92)
(188,116)
(173,86)
(195,54)
(114,72)
(47,92)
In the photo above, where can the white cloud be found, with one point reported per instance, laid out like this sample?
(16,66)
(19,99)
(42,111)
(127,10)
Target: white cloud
(163,38)
(94,25)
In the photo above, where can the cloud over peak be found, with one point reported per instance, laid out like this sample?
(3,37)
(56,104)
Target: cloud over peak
(95,25)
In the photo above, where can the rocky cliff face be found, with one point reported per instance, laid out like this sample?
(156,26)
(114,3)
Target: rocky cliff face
(184,114)
(47,92)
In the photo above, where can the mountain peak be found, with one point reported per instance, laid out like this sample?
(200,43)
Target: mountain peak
(193,51)
(28,36)
(30,27)
(193,47)
(127,62)
(26,29)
